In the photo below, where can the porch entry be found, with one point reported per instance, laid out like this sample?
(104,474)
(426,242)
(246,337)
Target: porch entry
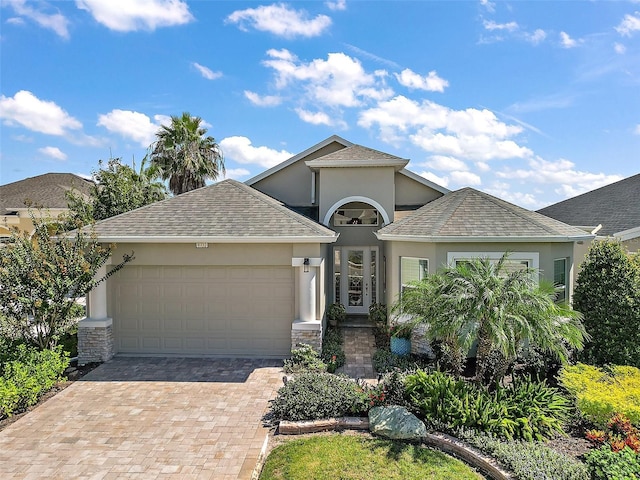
(356,278)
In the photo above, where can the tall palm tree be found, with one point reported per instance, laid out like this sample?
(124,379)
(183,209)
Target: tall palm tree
(185,156)
(500,308)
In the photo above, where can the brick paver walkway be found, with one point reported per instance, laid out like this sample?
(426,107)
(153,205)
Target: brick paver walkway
(147,418)
(359,347)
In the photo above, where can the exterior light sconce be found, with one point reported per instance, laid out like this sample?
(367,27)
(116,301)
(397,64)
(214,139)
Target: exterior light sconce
(306,265)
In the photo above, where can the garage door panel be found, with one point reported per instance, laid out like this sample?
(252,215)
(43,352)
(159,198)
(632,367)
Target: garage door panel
(226,311)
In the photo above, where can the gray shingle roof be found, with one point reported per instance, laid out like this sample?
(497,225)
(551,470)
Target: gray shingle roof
(615,206)
(357,155)
(228,209)
(46,190)
(468,213)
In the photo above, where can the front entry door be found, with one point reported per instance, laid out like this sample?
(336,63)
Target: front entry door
(358,278)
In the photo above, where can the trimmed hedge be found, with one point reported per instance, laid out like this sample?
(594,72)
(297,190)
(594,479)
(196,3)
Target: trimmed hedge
(27,374)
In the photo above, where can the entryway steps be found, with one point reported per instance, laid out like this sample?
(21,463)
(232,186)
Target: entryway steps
(356,321)
(359,347)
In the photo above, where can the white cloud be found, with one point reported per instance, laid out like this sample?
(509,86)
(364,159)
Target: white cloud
(493,26)
(526,200)
(337,5)
(465,178)
(128,16)
(562,173)
(483,166)
(441,162)
(637,129)
(431,82)
(629,25)
(469,134)
(315,118)
(338,81)
(372,56)
(619,48)
(490,6)
(280,20)
(236,173)
(53,152)
(132,125)
(206,72)
(43,116)
(52,21)
(536,37)
(566,41)
(442,181)
(240,150)
(263,100)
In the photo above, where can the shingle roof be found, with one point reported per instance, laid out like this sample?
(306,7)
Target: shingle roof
(615,206)
(357,155)
(224,211)
(47,191)
(468,213)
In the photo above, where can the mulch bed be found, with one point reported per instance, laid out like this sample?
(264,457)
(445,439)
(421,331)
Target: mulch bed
(73,373)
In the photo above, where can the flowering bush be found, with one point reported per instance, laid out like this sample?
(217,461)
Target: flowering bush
(620,434)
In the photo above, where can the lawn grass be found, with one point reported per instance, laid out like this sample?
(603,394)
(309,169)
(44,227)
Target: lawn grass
(354,457)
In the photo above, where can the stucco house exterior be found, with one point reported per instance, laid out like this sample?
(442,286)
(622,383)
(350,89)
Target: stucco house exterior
(47,191)
(247,269)
(612,211)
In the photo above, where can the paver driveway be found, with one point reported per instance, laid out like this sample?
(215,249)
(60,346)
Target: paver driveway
(147,418)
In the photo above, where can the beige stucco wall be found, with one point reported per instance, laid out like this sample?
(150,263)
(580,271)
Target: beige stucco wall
(410,192)
(372,183)
(437,253)
(632,245)
(23,221)
(292,184)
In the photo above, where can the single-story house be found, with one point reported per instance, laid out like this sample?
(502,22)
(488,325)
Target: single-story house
(247,269)
(46,192)
(612,211)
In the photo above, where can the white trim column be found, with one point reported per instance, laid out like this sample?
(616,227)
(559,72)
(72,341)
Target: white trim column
(95,332)
(98,297)
(306,328)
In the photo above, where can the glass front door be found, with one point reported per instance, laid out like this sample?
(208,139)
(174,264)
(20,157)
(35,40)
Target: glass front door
(355,278)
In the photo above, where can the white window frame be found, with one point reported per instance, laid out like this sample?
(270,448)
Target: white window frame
(566,277)
(419,259)
(532,257)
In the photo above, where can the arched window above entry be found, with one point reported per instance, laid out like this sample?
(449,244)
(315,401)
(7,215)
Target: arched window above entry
(351,211)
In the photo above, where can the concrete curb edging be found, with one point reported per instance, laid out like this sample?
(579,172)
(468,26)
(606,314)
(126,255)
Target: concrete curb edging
(313,426)
(467,453)
(255,475)
(441,441)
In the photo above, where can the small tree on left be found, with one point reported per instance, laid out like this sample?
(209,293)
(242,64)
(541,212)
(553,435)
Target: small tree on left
(43,275)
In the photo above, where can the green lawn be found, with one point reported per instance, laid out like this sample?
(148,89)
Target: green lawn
(354,457)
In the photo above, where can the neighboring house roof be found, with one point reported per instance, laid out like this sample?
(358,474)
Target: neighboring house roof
(616,207)
(228,211)
(47,191)
(468,215)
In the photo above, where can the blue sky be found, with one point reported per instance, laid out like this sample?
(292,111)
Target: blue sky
(533,102)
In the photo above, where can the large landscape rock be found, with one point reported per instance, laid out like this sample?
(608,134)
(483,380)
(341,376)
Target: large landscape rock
(396,422)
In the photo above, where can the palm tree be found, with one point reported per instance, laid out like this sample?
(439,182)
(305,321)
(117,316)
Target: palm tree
(185,156)
(501,309)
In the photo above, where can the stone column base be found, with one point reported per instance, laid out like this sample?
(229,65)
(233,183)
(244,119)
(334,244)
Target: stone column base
(95,340)
(307,332)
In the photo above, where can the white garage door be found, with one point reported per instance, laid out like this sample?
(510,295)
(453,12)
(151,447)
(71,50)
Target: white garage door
(225,311)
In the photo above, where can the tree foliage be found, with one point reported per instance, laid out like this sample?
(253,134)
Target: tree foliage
(502,309)
(118,188)
(41,278)
(185,156)
(608,295)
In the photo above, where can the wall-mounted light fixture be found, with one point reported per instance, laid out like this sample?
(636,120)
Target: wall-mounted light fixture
(306,265)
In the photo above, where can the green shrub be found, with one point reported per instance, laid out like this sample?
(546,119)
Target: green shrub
(315,395)
(304,358)
(602,392)
(608,295)
(393,384)
(527,460)
(27,375)
(385,361)
(378,315)
(332,349)
(336,313)
(605,464)
(525,409)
